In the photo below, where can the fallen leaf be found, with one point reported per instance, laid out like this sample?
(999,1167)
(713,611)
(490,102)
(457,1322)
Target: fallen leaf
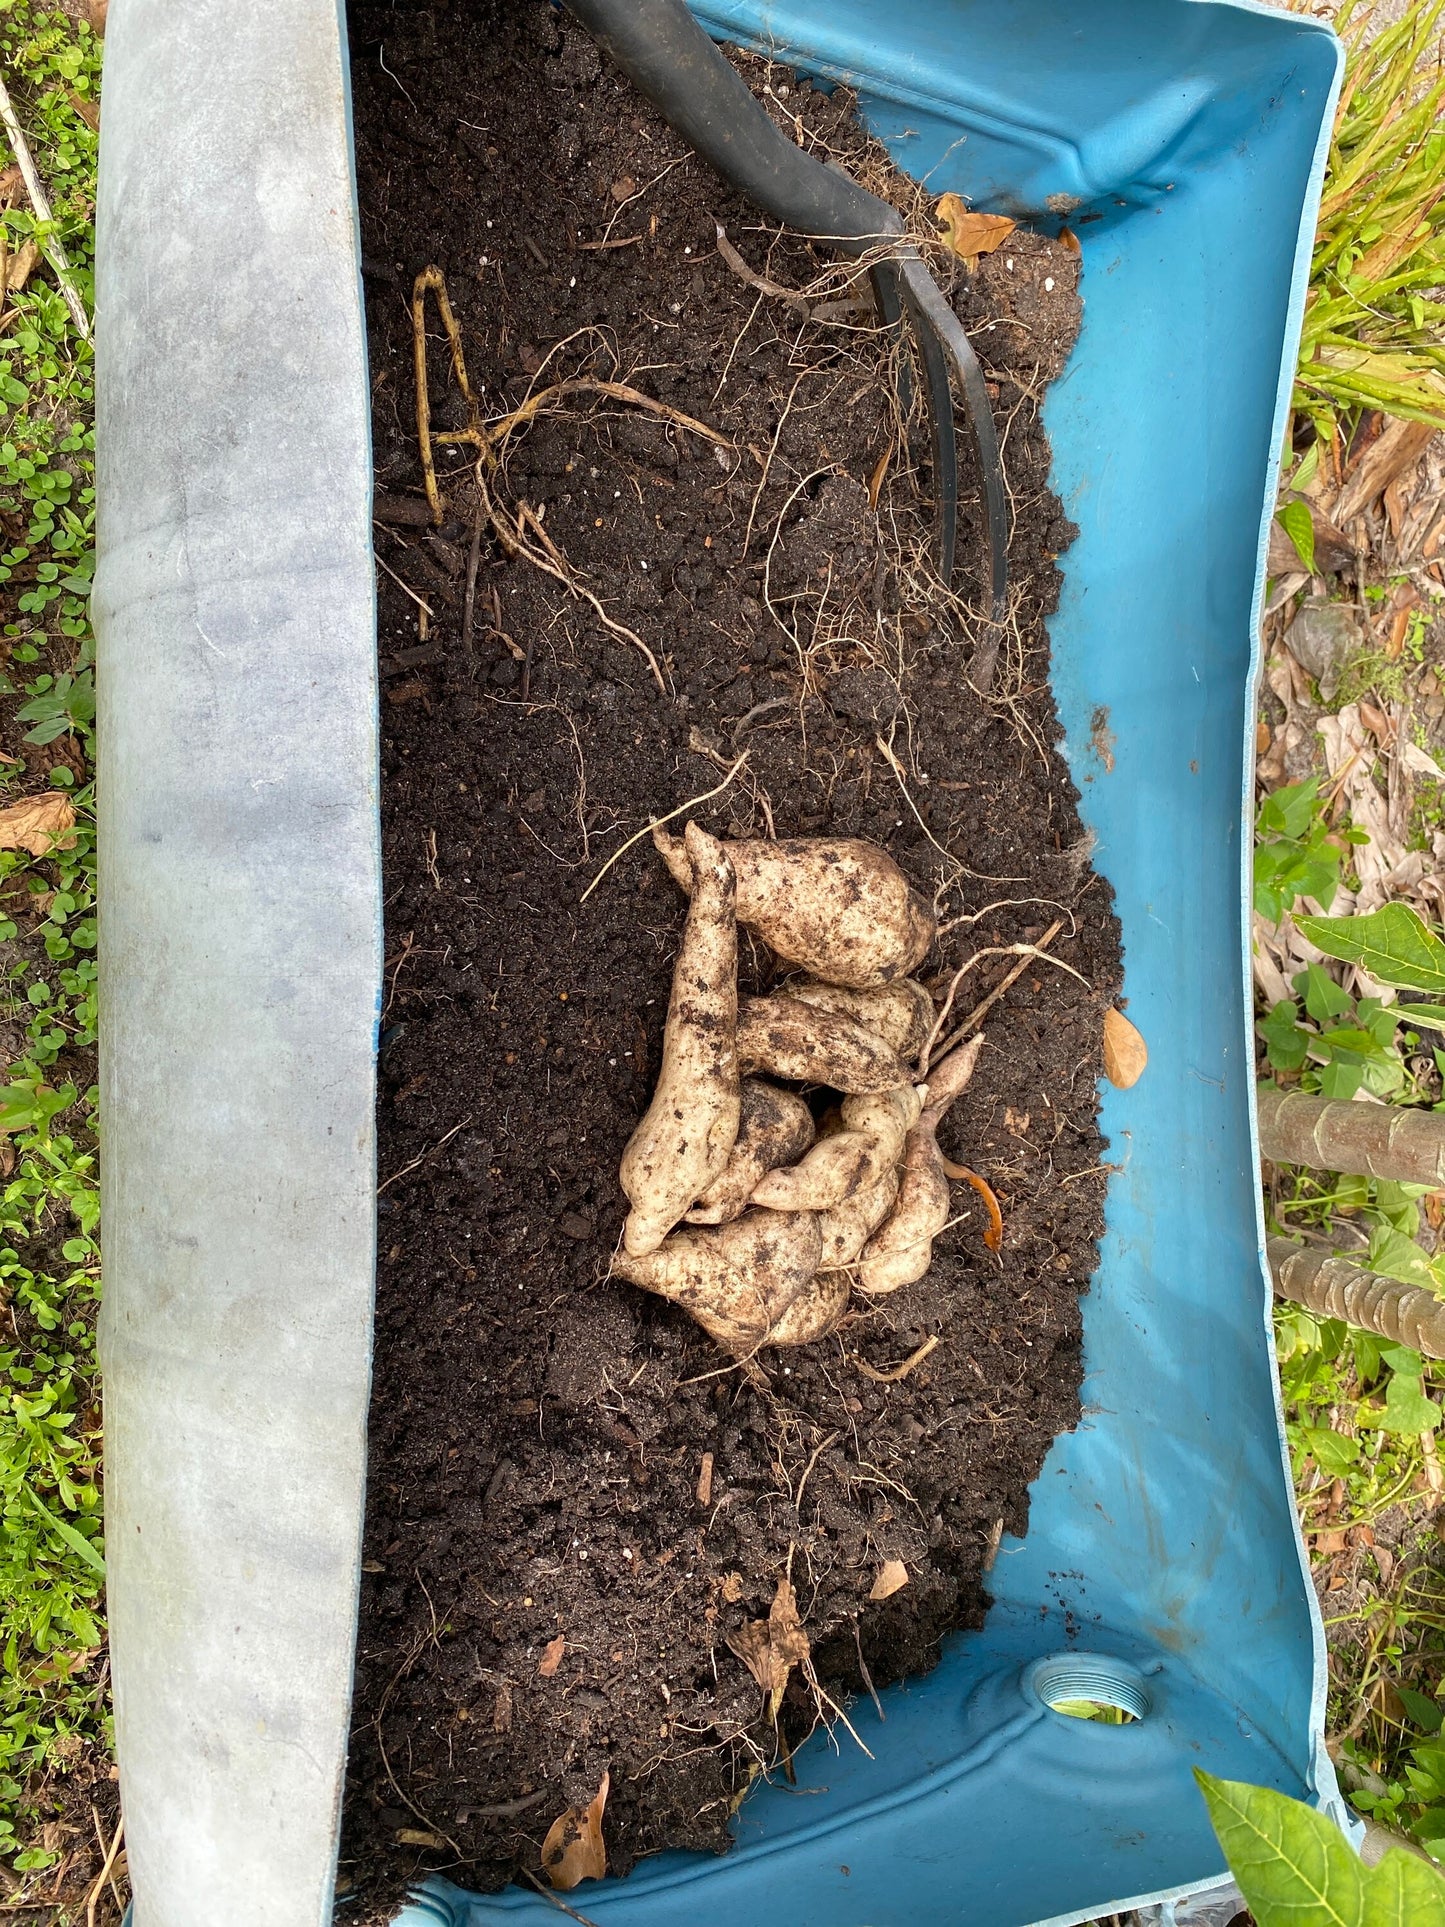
(1416,759)
(623,188)
(96,11)
(1125,1052)
(892,1578)
(1332,1540)
(1397,448)
(88,110)
(552,1657)
(414,1837)
(10,183)
(770,1648)
(970,234)
(38,824)
(1070,240)
(574,1849)
(19,264)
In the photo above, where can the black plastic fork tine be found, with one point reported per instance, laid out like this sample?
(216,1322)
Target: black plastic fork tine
(667,54)
(889,302)
(944,345)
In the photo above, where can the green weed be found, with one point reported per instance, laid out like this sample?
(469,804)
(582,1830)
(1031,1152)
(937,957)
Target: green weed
(1374,326)
(53,1709)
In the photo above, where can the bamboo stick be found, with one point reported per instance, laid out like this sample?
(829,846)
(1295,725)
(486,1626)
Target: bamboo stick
(1332,1287)
(1367,1140)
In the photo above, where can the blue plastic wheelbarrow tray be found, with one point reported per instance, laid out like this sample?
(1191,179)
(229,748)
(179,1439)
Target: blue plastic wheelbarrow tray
(1162,1567)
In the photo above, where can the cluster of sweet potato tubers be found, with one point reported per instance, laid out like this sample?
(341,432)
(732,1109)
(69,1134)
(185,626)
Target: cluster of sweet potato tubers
(744,1212)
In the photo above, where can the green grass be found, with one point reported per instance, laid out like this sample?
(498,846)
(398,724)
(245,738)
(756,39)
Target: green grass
(53,1711)
(1374,327)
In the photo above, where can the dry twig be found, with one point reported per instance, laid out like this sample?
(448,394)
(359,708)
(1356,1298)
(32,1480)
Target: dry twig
(51,243)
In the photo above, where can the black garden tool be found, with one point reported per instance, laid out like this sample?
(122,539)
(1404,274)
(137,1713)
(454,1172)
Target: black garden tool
(668,56)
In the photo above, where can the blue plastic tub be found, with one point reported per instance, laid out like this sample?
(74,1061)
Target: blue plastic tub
(1184,143)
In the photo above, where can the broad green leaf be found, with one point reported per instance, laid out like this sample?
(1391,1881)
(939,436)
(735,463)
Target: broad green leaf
(1341,1080)
(1287,811)
(1296,1869)
(1424,1711)
(1323,997)
(1408,1411)
(1294,518)
(1394,1255)
(1431,1824)
(1331,1451)
(1286,1043)
(1291,1863)
(1427,1016)
(1380,1019)
(1403,1891)
(1400,1358)
(1393,944)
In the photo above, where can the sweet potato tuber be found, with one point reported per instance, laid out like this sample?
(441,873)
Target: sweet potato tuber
(738,1280)
(902,1249)
(684,1140)
(815,1310)
(852,1160)
(776,1127)
(901,1013)
(783,1038)
(849,1226)
(838,906)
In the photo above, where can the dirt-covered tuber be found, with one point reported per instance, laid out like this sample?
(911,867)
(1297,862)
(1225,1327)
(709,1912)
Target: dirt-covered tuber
(741,1280)
(901,1014)
(849,1226)
(849,1161)
(683,1142)
(838,906)
(776,1127)
(783,1038)
(902,1249)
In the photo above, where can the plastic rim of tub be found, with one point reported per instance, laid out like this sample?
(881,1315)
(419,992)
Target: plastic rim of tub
(1185,143)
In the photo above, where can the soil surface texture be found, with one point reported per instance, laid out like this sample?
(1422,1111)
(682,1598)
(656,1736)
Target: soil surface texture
(577,1501)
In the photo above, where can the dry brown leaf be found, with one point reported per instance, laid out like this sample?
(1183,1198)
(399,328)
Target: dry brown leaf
(38,824)
(1070,240)
(770,1648)
(552,1657)
(892,1578)
(414,1837)
(88,110)
(11,182)
(19,264)
(1397,448)
(1125,1052)
(96,11)
(970,234)
(574,1849)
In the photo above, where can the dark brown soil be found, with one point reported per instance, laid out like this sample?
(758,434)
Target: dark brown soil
(538,1431)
